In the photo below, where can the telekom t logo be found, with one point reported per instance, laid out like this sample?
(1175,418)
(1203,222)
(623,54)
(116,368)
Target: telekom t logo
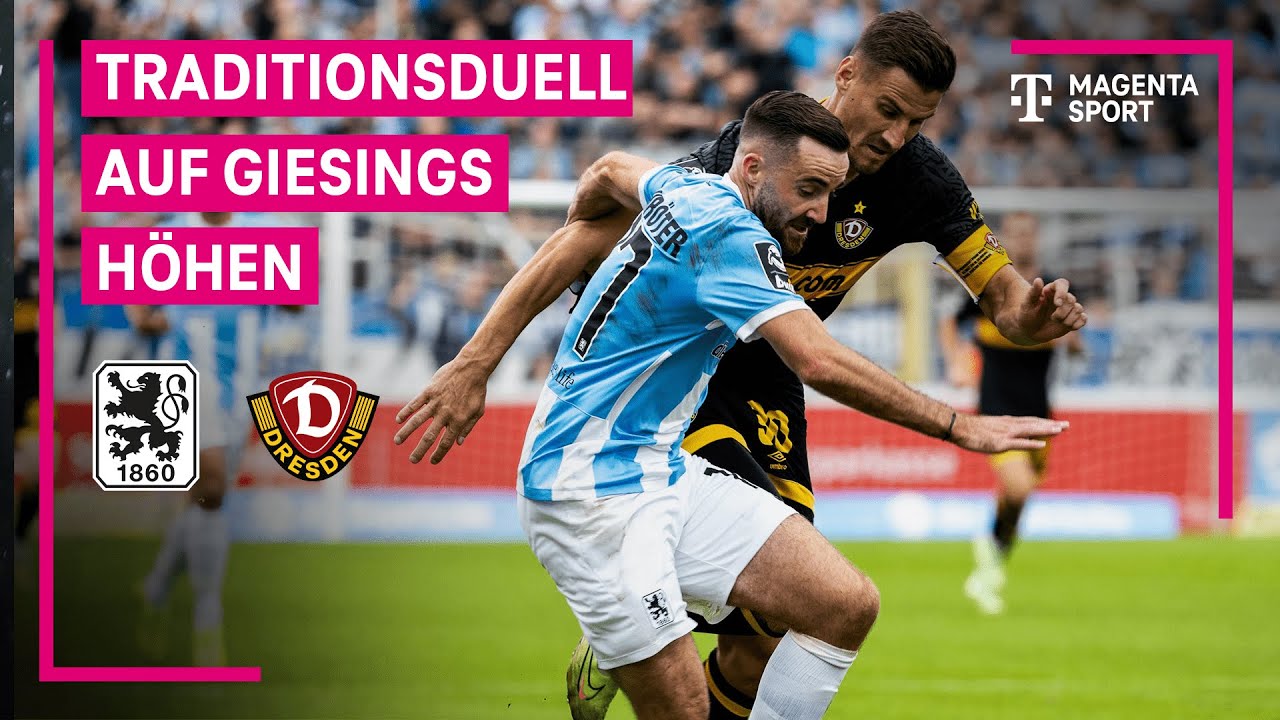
(1031,100)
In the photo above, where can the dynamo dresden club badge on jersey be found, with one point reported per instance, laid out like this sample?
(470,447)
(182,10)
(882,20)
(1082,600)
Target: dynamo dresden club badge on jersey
(312,422)
(145,425)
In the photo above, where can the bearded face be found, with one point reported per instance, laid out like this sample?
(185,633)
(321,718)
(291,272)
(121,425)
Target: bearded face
(789,229)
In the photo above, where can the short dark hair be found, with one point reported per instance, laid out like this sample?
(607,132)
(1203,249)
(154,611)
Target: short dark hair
(783,117)
(904,39)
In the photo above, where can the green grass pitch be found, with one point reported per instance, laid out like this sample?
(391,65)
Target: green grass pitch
(1164,630)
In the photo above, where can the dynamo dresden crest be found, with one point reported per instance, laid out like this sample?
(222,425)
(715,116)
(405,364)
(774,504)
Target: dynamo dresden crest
(852,232)
(144,426)
(312,422)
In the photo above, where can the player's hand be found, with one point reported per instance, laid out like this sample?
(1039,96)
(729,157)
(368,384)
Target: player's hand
(453,401)
(1050,311)
(998,433)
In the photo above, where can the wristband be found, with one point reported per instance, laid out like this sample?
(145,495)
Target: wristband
(946,436)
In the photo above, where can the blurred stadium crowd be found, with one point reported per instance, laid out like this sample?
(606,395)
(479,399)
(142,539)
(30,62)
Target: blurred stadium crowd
(699,63)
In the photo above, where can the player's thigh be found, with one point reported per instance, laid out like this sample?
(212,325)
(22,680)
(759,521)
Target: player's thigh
(726,521)
(1040,460)
(213,439)
(613,560)
(800,579)
(1016,470)
(720,446)
(211,487)
(669,684)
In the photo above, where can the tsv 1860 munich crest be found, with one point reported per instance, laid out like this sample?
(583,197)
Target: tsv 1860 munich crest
(145,425)
(312,422)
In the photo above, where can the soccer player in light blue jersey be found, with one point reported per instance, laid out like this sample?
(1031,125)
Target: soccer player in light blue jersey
(222,343)
(634,531)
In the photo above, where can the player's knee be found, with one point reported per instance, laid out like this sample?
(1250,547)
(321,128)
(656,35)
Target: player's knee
(208,502)
(1018,493)
(209,491)
(1017,481)
(857,612)
(687,701)
(865,604)
(211,488)
(699,705)
(690,700)
(742,660)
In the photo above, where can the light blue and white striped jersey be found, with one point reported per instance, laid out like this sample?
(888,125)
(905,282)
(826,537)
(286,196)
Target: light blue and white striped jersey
(223,342)
(695,271)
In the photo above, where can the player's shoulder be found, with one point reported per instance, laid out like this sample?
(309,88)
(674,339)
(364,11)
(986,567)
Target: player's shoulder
(715,156)
(708,192)
(926,169)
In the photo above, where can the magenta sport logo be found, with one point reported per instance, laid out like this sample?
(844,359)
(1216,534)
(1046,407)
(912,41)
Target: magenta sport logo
(1098,97)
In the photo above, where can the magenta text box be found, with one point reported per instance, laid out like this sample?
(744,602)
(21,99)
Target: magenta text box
(369,78)
(419,173)
(200,266)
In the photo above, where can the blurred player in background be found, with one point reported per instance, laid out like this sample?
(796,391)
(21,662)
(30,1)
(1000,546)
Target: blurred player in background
(26,383)
(222,342)
(1014,381)
(901,189)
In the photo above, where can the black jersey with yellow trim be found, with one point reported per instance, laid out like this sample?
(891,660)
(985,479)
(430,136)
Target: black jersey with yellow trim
(917,196)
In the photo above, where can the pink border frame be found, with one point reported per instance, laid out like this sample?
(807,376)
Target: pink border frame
(1226,277)
(48,672)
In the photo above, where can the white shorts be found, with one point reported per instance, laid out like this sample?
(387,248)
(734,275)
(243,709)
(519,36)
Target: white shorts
(628,563)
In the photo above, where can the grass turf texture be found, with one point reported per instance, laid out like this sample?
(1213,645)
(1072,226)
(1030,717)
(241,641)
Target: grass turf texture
(1168,630)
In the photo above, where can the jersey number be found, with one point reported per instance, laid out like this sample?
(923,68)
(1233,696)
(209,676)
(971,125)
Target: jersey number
(641,252)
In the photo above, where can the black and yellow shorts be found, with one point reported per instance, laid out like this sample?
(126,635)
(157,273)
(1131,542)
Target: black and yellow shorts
(763,440)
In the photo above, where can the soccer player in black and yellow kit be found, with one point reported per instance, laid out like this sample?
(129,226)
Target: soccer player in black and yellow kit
(1014,381)
(901,189)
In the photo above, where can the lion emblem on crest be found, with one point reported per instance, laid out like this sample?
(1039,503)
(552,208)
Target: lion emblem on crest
(148,400)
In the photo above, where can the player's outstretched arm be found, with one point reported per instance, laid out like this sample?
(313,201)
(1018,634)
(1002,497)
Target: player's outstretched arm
(455,396)
(1030,313)
(834,370)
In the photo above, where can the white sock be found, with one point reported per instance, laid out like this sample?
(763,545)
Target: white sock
(207,546)
(169,561)
(801,679)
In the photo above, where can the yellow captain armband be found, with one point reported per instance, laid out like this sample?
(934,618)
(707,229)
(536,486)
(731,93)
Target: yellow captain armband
(975,261)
